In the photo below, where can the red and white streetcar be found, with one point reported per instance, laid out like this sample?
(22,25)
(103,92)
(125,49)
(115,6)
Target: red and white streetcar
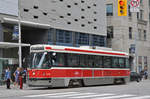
(61,66)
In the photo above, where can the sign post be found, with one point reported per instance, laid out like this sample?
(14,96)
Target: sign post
(135,7)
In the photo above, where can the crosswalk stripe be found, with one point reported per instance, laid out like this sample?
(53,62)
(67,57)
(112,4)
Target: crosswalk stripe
(92,96)
(76,94)
(51,94)
(114,97)
(140,97)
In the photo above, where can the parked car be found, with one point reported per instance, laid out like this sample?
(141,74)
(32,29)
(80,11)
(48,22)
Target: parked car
(134,76)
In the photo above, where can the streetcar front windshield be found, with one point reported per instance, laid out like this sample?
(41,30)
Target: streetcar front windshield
(41,60)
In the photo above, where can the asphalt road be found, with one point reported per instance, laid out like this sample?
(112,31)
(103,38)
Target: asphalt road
(132,90)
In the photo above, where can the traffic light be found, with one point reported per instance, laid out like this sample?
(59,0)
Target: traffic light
(122,7)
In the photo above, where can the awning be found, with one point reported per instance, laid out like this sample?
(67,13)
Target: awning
(26,23)
(11,45)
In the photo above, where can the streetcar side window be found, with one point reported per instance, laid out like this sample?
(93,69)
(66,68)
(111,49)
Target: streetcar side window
(83,61)
(121,62)
(73,60)
(58,59)
(107,61)
(91,61)
(115,62)
(98,61)
(127,63)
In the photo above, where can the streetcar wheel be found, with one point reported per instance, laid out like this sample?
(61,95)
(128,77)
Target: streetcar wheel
(70,84)
(81,84)
(123,81)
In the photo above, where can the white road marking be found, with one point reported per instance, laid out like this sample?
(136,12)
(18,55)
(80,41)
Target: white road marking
(140,97)
(92,95)
(76,94)
(50,94)
(114,97)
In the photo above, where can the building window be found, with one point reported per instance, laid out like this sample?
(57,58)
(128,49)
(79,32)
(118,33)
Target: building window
(141,14)
(145,61)
(81,38)
(98,40)
(130,32)
(109,9)
(149,3)
(44,13)
(35,7)
(75,3)
(145,35)
(25,10)
(35,17)
(140,63)
(149,17)
(69,6)
(138,15)
(129,12)
(63,37)
(94,5)
(139,34)
(50,36)
(110,32)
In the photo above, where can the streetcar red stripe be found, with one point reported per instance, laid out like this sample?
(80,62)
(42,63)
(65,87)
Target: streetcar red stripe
(56,73)
(97,52)
(48,48)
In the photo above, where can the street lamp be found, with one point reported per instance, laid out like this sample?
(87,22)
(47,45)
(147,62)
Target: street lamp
(19,29)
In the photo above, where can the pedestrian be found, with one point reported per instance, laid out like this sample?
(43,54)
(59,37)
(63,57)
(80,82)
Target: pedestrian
(24,75)
(142,74)
(8,77)
(146,74)
(21,78)
(16,75)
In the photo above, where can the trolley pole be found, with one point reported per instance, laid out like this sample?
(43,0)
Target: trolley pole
(19,29)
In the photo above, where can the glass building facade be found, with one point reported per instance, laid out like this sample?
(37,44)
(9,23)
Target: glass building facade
(71,38)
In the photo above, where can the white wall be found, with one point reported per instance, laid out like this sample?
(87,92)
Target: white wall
(9,7)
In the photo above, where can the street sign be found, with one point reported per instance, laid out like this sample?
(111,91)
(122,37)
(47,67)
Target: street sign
(132,48)
(15,33)
(134,5)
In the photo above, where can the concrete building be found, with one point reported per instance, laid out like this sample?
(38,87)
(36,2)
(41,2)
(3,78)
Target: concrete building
(58,22)
(123,30)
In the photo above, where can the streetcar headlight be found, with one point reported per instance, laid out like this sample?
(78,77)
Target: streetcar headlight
(44,74)
(33,73)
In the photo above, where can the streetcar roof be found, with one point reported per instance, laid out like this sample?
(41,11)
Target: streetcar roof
(79,50)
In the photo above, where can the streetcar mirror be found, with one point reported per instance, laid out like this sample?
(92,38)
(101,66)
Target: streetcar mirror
(54,54)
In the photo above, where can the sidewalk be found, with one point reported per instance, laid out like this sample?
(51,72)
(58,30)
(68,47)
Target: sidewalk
(3,87)
(14,91)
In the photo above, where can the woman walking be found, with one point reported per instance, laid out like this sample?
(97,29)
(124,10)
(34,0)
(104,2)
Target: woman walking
(16,75)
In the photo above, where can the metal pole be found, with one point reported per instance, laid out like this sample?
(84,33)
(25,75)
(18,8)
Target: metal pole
(19,29)
(135,60)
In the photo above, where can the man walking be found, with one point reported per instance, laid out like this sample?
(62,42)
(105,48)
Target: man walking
(8,78)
